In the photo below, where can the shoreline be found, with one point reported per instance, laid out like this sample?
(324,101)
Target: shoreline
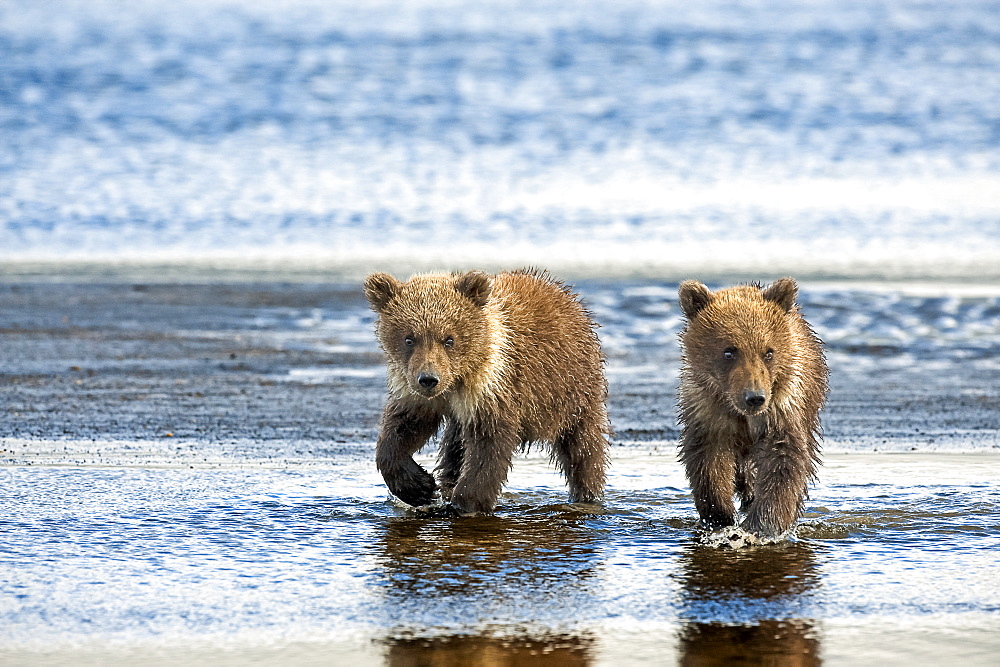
(197,455)
(277,270)
(841,641)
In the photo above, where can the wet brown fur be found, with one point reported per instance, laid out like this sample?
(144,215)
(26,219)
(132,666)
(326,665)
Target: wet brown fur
(765,454)
(517,361)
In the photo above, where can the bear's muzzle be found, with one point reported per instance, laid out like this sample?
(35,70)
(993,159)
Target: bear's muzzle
(754,399)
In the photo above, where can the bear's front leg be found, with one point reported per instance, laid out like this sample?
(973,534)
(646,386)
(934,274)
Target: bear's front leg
(784,466)
(489,450)
(745,476)
(710,465)
(402,433)
(450,459)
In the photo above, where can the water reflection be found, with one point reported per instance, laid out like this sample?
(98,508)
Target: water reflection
(459,591)
(460,651)
(771,584)
(471,556)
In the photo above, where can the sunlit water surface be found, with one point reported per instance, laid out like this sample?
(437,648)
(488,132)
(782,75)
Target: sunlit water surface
(821,138)
(316,562)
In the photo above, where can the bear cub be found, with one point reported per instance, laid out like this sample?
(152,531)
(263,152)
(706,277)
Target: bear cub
(502,361)
(753,381)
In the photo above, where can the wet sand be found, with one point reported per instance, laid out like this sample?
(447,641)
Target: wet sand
(188,478)
(261,365)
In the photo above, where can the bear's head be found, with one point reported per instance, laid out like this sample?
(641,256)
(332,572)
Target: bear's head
(738,341)
(433,329)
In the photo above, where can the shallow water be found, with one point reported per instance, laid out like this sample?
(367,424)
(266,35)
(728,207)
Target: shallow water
(315,562)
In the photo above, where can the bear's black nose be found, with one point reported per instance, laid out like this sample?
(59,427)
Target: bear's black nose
(427,380)
(754,399)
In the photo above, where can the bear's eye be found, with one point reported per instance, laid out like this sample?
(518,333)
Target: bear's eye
(408,341)
(449,342)
(769,355)
(729,354)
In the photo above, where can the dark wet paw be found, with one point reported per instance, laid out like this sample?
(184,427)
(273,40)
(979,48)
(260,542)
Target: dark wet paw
(415,489)
(446,492)
(717,523)
(584,497)
(766,533)
(437,511)
(465,506)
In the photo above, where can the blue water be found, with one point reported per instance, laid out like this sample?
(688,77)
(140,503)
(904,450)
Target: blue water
(624,145)
(843,139)
(307,563)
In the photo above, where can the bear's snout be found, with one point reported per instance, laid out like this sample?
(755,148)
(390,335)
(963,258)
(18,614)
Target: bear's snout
(428,370)
(754,399)
(428,380)
(747,386)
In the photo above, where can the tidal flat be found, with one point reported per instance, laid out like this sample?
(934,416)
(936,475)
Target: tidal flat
(192,190)
(188,477)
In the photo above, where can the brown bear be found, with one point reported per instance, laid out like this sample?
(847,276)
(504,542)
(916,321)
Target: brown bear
(504,361)
(753,381)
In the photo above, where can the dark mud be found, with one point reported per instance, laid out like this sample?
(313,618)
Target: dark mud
(277,363)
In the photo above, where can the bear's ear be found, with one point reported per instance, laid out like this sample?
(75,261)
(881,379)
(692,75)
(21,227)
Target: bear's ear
(475,286)
(694,297)
(783,292)
(379,290)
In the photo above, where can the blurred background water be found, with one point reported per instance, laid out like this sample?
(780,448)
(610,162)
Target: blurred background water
(821,138)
